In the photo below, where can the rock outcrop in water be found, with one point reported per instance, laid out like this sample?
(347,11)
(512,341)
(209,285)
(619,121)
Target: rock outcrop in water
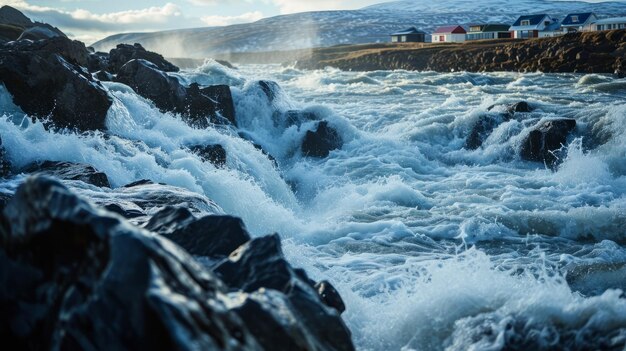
(103,283)
(488,122)
(591,52)
(322,141)
(125,52)
(200,106)
(46,80)
(49,78)
(546,139)
(69,171)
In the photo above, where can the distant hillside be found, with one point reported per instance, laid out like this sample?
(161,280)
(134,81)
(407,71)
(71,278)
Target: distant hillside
(369,25)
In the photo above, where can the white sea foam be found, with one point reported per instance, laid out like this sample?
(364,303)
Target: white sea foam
(431,245)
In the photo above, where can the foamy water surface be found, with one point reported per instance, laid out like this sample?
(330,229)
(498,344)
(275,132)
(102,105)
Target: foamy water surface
(431,246)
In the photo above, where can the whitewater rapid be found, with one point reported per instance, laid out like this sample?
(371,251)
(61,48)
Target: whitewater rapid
(430,245)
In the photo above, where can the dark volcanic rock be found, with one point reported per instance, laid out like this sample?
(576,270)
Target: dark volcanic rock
(70,171)
(123,53)
(45,80)
(521,106)
(41,31)
(104,76)
(223,99)
(199,106)
(321,142)
(260,264)
(545,139)
(102,284)
(98,61)
(487,123)
(150,82)
(483,128)
(12,23)
(75,277)
(5,163)
(216,154)
(330,296)
(12,16)
(210,236)
(270,88)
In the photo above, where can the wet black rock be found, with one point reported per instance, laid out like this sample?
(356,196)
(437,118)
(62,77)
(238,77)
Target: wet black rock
(321,142)
(11,16)
(257,264)
(41,31)
(487,123)
(104,76)
(213,104)
(139,183)
(14,25)
(297,117)
(98,61)
(330,296)
(521,106)
(46,81)
(546,139)
(215,154)
(150,82)
(200,106)
(69,171)
(483,128)
(5,163)
(102,283)
(260,264)
(270,88)
(123,53)
(209,236)
(223,98)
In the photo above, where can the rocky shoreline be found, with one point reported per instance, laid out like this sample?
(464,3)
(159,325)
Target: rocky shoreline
(593,52)
(84,265)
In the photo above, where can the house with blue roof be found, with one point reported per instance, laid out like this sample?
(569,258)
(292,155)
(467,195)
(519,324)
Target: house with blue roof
(535,26)
(577,22)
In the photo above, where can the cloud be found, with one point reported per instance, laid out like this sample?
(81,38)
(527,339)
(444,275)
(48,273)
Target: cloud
(228,20)
(86,25)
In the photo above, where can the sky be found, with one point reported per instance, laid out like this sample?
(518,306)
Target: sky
(91,20)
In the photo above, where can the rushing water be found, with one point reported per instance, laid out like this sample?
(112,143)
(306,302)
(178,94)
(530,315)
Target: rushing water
(431,246)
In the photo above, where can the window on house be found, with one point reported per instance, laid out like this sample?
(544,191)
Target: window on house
(575,19)
(525,23)
(546,23)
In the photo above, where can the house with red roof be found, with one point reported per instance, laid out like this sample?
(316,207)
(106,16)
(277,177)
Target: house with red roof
(449,34)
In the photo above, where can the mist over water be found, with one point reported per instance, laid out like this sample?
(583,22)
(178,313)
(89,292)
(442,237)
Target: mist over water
(431,246)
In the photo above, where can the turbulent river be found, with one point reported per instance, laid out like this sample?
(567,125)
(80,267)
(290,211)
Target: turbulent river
(431,246)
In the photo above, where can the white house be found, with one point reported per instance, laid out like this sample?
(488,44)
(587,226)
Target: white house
(577,22)
(449,34)
(608,24)
(535,26)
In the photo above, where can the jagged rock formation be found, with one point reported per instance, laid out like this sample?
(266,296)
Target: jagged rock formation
(322,141)
(14,25)
(103,283)
(46,80)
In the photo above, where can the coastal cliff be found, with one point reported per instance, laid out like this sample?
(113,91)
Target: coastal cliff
(593,52)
